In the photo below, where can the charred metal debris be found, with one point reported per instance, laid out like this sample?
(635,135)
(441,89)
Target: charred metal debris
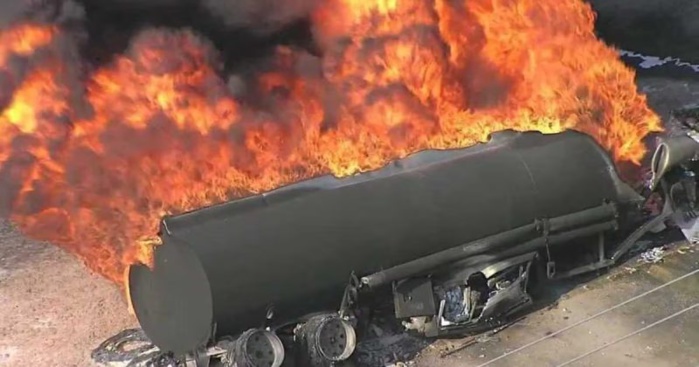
(455,242)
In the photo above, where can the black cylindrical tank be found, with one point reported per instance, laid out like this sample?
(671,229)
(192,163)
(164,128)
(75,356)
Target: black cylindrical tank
(290,252)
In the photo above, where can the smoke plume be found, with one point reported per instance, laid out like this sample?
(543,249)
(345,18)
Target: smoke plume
(114,113)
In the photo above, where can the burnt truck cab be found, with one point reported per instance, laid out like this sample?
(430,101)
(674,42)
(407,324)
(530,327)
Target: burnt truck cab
(458,238)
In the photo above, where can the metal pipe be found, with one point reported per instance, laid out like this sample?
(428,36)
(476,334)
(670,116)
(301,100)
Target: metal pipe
(558,239)
(453,254)
(671,152)
(574,220)
(492,243)
(539,243)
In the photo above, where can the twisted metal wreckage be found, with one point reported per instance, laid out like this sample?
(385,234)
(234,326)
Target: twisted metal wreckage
(459,238)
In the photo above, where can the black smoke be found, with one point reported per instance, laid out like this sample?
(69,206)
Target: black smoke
(242,30)
(667,28)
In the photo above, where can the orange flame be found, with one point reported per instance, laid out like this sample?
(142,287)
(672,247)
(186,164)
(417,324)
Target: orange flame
(160,131)
(24,39)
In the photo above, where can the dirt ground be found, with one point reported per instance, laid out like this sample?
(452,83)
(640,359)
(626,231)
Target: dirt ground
(53,312)
(671,343)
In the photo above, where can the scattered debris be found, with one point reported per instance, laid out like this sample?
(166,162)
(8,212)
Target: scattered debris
(653,256)
(465,344)
(388,347)
(130,347)
(641,246)
(483,338)
(683,119)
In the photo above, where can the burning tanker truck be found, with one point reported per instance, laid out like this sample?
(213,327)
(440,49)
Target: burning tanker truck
(458,240)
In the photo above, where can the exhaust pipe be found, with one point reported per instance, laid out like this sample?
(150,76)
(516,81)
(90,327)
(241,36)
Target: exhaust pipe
(326,340)
(255,348)
(670,153)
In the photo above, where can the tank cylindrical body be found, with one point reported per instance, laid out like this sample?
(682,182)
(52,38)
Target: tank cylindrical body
(290,252)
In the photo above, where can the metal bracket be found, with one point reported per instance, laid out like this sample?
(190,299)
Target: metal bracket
(631,240)
(601,264)
(550,264)
(200,359)
(551,269)
(351,296)
(167,230)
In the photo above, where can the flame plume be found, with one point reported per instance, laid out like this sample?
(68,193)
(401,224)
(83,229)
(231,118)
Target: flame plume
(161,130)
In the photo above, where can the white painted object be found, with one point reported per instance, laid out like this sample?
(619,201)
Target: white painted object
(649,62)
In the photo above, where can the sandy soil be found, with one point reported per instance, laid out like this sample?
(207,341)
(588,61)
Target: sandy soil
(54,312)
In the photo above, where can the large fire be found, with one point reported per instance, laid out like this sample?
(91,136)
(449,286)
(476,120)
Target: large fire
(161,130)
